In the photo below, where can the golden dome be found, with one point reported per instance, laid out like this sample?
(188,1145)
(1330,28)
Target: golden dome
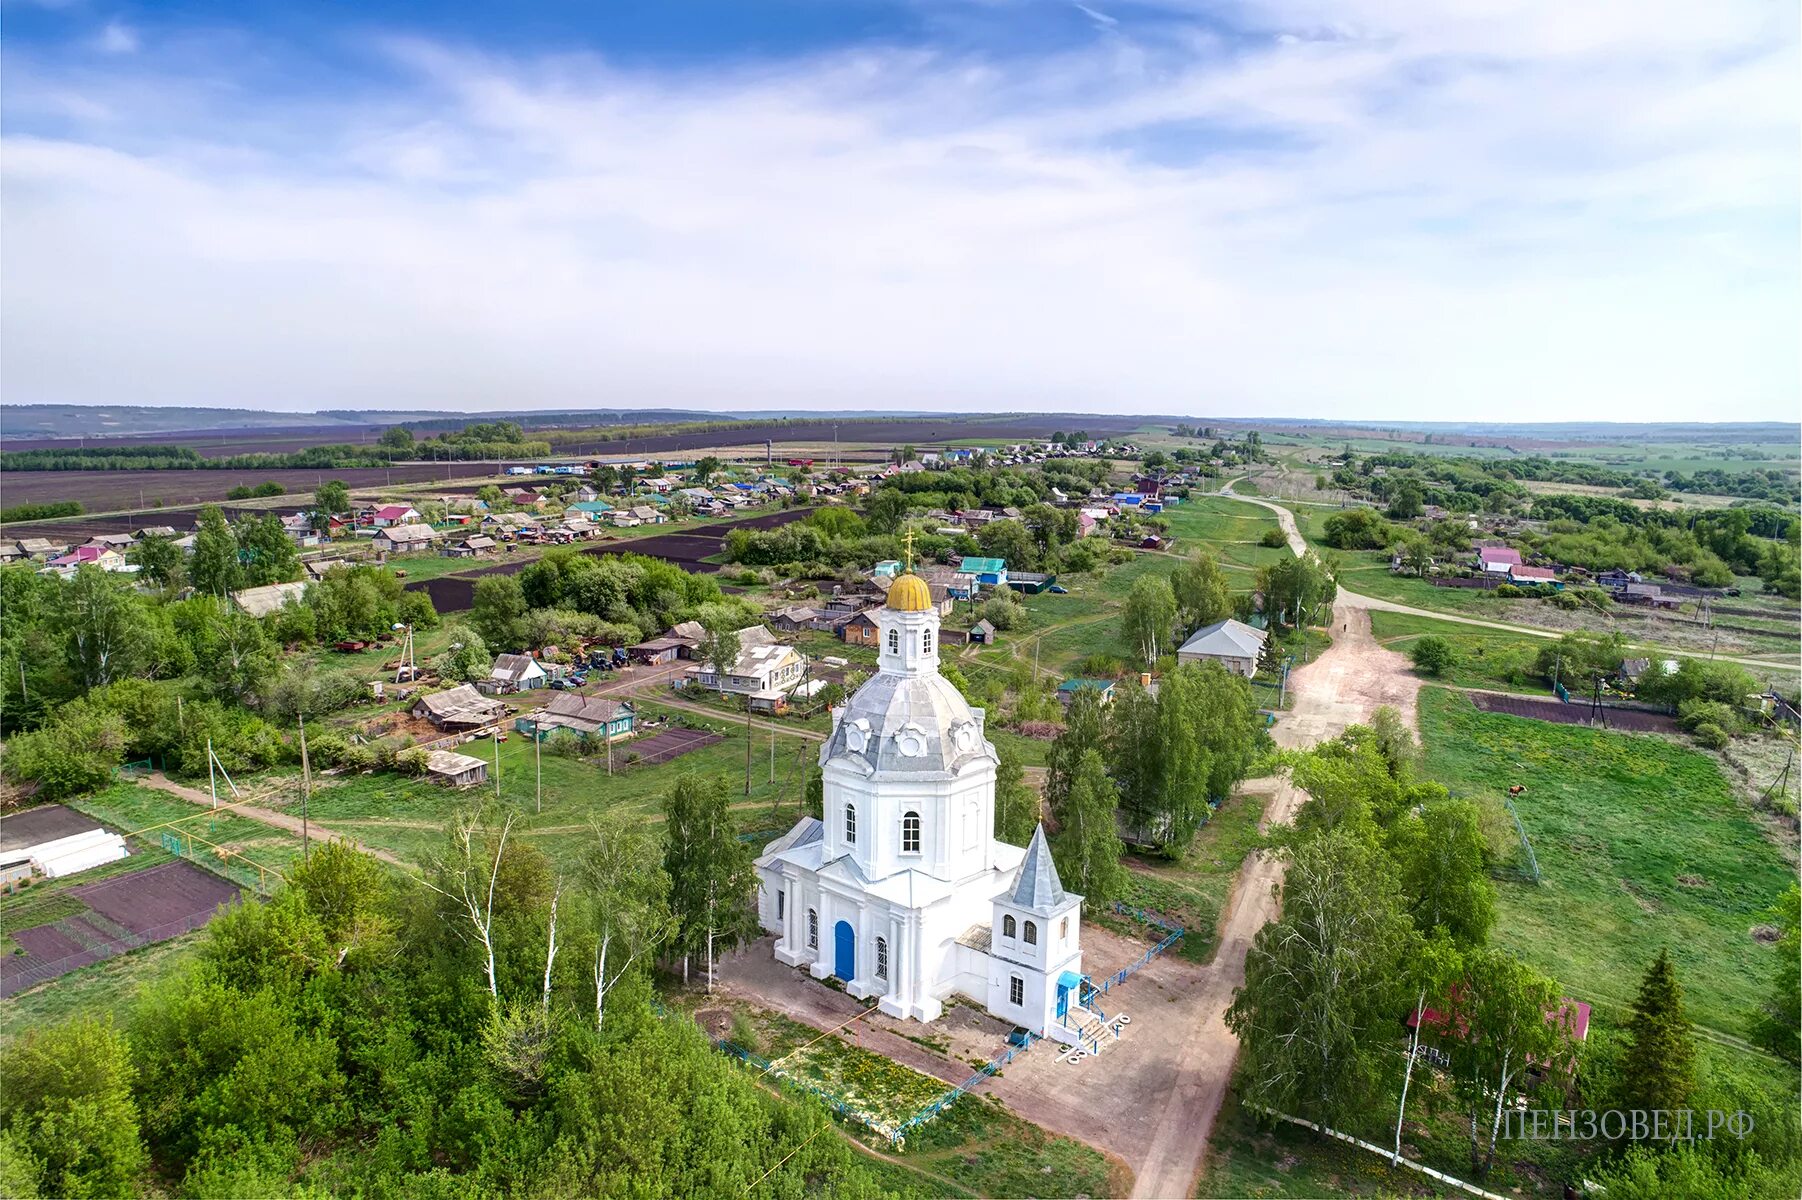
(909,593)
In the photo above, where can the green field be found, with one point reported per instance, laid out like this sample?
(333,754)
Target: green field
(1487,658)
(1228,529)
(1642,845)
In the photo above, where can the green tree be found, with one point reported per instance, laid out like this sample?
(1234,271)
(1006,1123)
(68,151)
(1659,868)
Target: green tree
(1202,595)
(706,467)
(158,560)
(712,882)
(105,627)
(498,612)
(214,568)
(1444,875)
(1417,555)
(266,551)
(720,644)
(1083,730)
(1087,847)
(1433,655)
(1503,1018)
(332,498)
(1016,804)
(397,438)
(1295,589)
(1659,1068)
(886,510)
(467,659)
(1147,619)
(1315,1016)
(68,1105)
(628,891)
(1008,540)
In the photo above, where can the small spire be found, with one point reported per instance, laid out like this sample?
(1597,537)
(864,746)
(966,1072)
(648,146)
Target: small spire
(907,540)
(1038,886)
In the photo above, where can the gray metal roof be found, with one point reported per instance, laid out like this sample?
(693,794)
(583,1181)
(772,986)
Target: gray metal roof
(907,724)
(1228,638)
(1038,887)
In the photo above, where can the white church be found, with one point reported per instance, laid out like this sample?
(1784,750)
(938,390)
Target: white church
(901,891)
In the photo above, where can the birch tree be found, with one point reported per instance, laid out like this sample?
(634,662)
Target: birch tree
(1432,966)
(712,882)
(1503,1015)
(468,879)
(1315,1016)
(1150,612)
(628,893)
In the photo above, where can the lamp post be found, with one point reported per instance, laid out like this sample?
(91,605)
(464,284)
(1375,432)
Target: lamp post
(408,666)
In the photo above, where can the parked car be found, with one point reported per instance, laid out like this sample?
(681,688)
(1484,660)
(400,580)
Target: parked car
(1058,589)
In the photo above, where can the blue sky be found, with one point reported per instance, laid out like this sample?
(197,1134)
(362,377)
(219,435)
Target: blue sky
(1404,209)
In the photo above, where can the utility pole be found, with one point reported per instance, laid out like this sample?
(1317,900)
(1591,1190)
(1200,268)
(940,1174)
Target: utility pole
(747,745)
(496,738)
(212,782)
(538,764)
(772,755)
(306,792)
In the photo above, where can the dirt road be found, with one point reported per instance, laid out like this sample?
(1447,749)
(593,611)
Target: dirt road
(267,816)
(1348,599)
(1340,688)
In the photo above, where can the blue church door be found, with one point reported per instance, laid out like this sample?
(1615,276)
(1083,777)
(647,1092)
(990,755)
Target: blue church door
(844,951)
(1063,1000)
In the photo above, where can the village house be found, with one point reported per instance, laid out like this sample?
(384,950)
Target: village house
(1233,644)
(572,715)
(471,547)
(516,673)
(386,515)
(764,672)
(270,598)
(859,629)
(1103,689)
(403,539)
(990,571)
(39,548)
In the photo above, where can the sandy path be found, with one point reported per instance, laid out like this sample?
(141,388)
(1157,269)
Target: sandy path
(267,816)
(1342,687)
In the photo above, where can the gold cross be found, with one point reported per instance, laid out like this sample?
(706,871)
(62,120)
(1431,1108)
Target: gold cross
(907,539)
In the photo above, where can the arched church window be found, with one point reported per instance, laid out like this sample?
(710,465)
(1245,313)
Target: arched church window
(851,823)
(1063,929)
(1007,927)
(882,958)
(1032,933)
(926,642)
(813,930)
(894,641)
(1016,990)
(910,833)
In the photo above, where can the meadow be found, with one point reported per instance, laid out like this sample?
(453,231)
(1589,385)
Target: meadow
(1643,846)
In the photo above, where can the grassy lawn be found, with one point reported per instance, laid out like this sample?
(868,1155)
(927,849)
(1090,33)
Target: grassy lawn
(1487,658)
(1642,845)
(980,1145)
(238,845)
(1228,529)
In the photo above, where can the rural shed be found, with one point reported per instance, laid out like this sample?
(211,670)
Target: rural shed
(1233,644)
(461,707)
(982,633)
(456,770)
(579,716)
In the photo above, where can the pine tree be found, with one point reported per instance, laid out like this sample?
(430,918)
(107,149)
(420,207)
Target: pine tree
(1659,1071)
(1087,848)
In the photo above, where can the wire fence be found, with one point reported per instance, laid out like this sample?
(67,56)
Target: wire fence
(1527,871)
(987,1071)
(1173,933)
(17,975)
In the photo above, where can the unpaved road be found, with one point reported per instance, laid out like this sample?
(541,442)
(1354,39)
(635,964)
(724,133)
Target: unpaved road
(1342,687)
(1299,544)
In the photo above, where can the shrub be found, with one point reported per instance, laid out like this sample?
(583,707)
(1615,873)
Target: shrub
(412,761)
(1273,539)
(1507,591)
(1568,601)
(1693,714)
(1433,655)
(1001,612)
(1712,736)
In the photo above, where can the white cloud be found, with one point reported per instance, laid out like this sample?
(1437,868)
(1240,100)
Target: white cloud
(1490,214)
(117,38)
